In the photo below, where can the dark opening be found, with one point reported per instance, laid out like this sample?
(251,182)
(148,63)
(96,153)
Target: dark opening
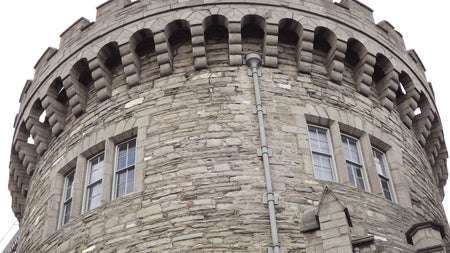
(60,91)
(111,56)
(143,42)
(180,33)
(287,33)
(82,73)
(321,42)
(251,30)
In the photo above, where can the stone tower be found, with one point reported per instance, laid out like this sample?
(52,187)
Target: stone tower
(224,126)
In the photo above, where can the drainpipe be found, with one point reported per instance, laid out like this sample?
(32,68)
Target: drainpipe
(253,60)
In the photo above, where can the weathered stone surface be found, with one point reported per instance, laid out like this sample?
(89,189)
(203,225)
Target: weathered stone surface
(174,79)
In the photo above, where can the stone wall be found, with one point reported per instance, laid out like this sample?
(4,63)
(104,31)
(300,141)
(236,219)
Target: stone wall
(171,75)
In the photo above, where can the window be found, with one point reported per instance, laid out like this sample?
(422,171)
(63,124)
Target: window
(67,198)
(94,182)
(321,154)
(353,162)
(383,173)
(124,176)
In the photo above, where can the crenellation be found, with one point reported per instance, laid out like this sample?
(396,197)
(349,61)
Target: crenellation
(45,58)
(74,32)
(415,57)
(393,34)
(25,89)
(105,10)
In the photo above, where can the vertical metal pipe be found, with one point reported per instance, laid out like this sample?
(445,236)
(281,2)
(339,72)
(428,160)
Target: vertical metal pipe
(253,60)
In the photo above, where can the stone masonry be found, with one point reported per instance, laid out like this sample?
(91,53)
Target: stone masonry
(172,76)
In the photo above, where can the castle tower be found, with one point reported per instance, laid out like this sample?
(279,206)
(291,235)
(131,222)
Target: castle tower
(224,126)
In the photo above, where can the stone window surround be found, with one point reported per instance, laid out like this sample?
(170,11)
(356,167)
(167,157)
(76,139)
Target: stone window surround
(128,167)
(78,163)
(359,163)
(89,185)
(384,175)
(366,143)
(330,155)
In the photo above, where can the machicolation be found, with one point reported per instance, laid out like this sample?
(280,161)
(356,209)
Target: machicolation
(229,126)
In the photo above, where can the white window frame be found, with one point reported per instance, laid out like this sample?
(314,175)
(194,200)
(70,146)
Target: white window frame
(355,164)
(67,200)
(321,154)
(386,175)
(89,186)
(127,169)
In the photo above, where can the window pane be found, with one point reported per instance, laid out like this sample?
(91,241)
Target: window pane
(318,140)
(131,157)
(94,196)
(356,176)
(122,163)
(350,149)
(359,177)
(125,168)
(67,198)
(96,169)
(379,162)
(322,167)
(130,182)
(322,159)
(69,183)
(386,188)
(121,183)
(66,213)
(351,175)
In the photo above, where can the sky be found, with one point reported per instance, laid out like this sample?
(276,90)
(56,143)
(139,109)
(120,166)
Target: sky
(29,27)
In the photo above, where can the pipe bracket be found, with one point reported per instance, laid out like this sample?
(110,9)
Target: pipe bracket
(258,108)
(264,150)
(270,196)
(272,250)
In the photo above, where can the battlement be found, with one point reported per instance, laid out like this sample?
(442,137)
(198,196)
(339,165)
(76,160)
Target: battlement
(334,45)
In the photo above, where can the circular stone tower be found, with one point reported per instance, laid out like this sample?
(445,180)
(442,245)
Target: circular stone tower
(224,126)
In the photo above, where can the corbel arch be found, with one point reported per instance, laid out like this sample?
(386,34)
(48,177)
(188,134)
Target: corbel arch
(55,103)
(104,68)
(142,62)
(385,80)
(77,86)
(38,126)
(406,98)
(360,64)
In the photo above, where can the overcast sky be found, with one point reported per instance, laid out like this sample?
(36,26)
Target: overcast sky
(28,27)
